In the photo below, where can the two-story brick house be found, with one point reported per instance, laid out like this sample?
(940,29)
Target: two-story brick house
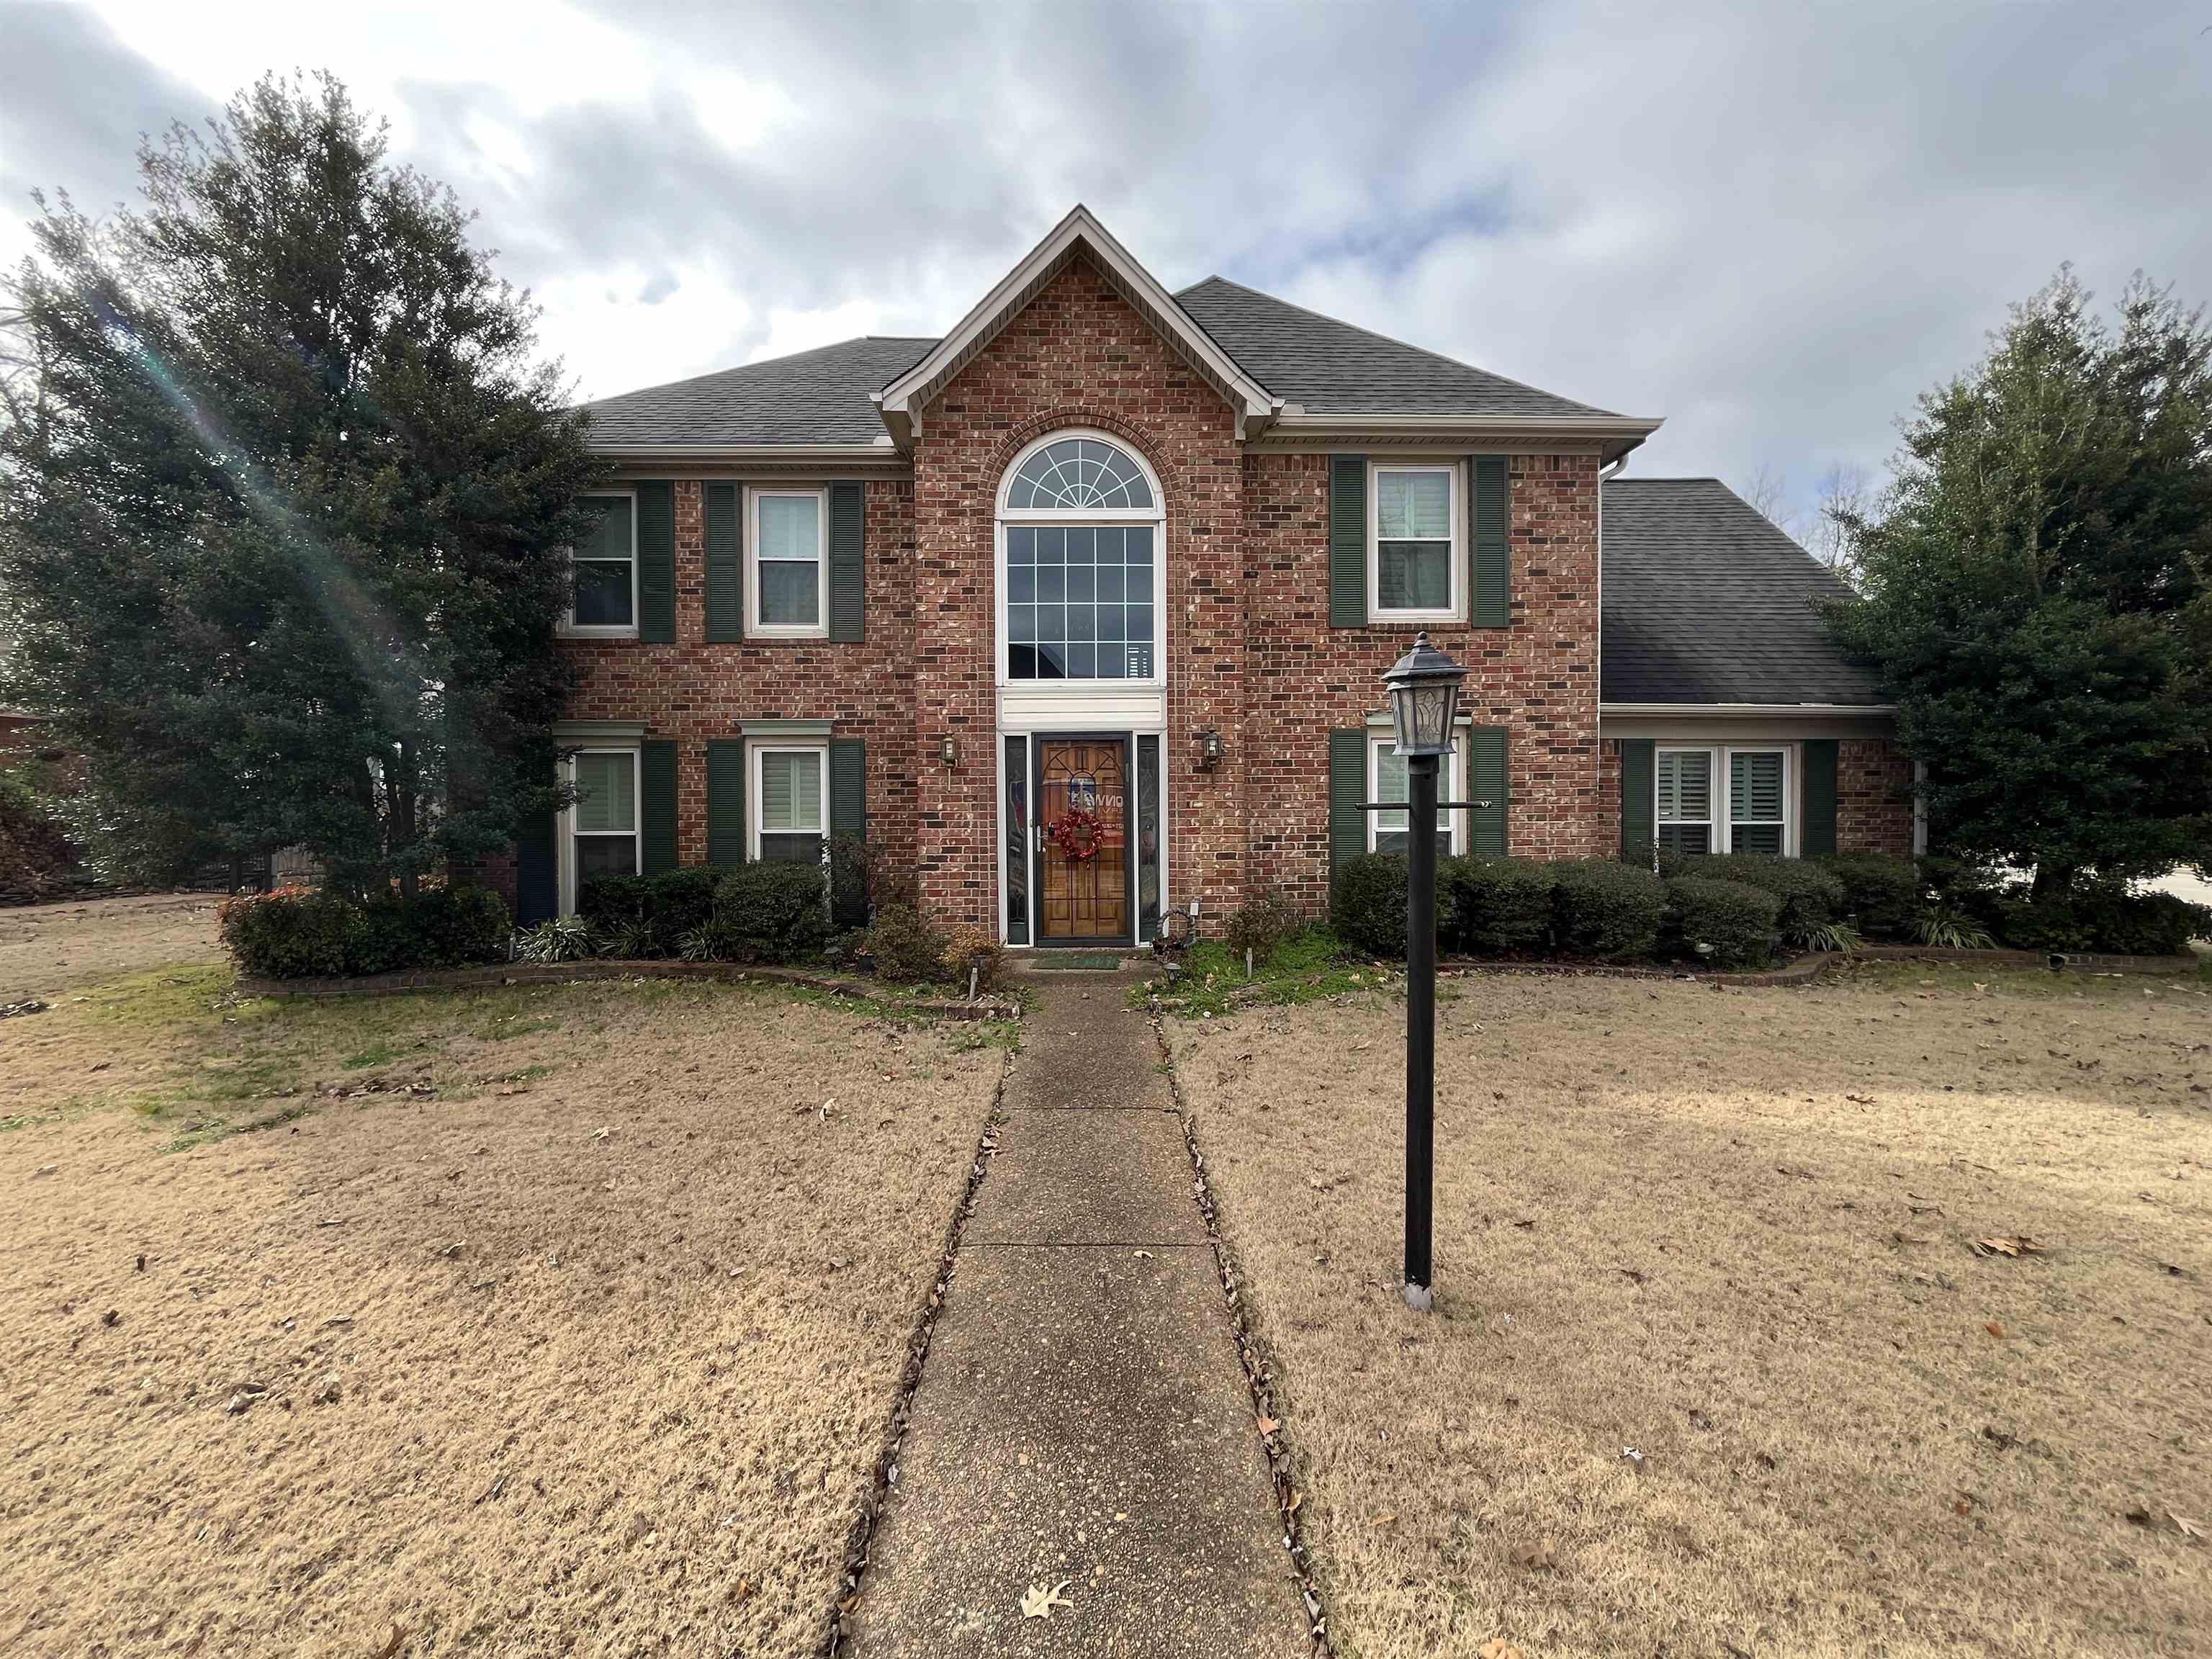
(1081,610)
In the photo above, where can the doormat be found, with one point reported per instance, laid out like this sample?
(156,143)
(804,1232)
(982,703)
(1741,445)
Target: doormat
(1096,962)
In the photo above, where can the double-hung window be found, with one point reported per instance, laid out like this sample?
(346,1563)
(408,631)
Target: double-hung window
(1722,800)
(1386,832)
(1686,799)
(603,821)
(791,802)
(606,600)
(1415,536)
(789,542)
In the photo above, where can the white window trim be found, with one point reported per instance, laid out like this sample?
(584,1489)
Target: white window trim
(754,627)
(1720,825)
(570,628)
(1447,785)
(567,850)
(756,813)
(1155,516)
(1456,610)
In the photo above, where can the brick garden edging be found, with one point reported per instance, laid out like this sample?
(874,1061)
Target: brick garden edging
(492,976)
(2078,962)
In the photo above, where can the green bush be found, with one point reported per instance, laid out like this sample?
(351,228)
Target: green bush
(772,912)
(1499,907)
(2021,923)
(1367,904)
(1811,895)
(1259,926)
(1881,894)
(905,948)
(2140,924)
(293,933)
(1727,924)
(649,914)
(1602,908)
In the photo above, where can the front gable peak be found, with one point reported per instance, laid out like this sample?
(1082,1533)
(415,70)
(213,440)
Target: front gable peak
(902,401)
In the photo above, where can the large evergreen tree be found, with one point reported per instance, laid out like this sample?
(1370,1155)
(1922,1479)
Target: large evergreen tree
(283,497)
(2034,591)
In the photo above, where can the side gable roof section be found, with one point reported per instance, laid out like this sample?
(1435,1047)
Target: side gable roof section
(813,400)
(1706,604)
(901,401)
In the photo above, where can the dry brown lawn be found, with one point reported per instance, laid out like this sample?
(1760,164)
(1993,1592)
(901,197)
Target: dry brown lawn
(44,947)
(541,1320)
(1733,1232)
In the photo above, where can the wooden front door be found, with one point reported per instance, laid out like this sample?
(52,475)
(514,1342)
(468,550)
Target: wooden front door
(1079,898)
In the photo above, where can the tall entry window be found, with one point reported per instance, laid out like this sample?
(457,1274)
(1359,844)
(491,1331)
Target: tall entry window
(1081,537)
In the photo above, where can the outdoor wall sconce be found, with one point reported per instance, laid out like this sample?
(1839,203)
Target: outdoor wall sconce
(951,749)
(1209,750)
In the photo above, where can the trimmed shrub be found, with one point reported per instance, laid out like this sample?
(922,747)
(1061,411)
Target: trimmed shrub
(295,933)
(977,948)
(610,901)
(1367,904)
(853,874)
(905,948)
(1499,907)
(1882,895)
(1729,923)
(2021,923)
(1605,909)
(2140,924)
(647,916)
(1259,926)
(772,912)
(1812,895)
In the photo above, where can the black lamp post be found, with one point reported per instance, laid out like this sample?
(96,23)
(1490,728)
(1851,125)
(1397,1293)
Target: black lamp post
(1423,701)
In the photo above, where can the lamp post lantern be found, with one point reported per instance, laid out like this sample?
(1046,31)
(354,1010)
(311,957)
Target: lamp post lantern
(1424,686)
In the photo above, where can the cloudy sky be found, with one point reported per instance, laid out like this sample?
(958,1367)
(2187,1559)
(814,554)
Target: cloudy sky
(1773,225)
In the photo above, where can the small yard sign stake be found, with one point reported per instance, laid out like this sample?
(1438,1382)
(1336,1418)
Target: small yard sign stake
(1424,686)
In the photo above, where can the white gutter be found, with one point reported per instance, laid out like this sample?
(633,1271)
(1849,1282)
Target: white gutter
(877,449)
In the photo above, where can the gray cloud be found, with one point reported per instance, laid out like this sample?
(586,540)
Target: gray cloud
(1774,225)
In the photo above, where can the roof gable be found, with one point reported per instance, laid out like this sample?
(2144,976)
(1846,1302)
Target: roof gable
(903,400)
(1705,601)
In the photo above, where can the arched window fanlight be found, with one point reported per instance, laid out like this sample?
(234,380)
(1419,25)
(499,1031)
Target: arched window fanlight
(1079,475)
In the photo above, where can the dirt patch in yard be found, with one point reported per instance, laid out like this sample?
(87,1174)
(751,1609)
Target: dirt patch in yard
(44,947)
(542,1320)
(1716,1366)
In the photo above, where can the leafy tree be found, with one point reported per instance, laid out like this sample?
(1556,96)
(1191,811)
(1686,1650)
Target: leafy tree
(2033,590)
(282,501)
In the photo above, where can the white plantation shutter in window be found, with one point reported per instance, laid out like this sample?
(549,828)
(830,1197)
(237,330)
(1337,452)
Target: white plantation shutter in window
(1756,807)
(605,800)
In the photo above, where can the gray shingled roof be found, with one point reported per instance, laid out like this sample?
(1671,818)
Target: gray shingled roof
(1335,368)
(1707,602)
(823,395)
(818,396)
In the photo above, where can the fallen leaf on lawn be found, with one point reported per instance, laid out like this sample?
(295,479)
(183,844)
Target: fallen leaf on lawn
(1498,1648)
(1536,1557)
(1381,1520)
(398,1640)
(1269,1425)
(2185,1526)
(2008,1245)
(1298,1498)
(1037,1602)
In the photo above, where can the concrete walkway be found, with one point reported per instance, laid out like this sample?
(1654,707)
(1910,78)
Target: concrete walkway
(1082,1416)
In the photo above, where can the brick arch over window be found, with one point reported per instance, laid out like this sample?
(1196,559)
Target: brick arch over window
(1045,422)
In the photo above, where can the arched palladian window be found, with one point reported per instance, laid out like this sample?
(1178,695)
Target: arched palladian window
(1080,536)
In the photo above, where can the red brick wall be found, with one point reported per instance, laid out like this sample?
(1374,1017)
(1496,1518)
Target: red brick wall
(1537,678)
(1873,798)
(692,691)
(1077,355)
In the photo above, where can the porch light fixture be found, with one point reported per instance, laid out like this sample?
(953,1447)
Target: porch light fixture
(1209,750)
(951,749)
(1424,687)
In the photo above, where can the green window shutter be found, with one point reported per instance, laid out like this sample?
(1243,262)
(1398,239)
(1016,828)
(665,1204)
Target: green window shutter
(726,566)
(849,579)
(1348,542)
(848,788)
(725,802)
(1638,787)
(536,878)
(656,794)
(1486,780)
(1348,797)
(656,562)
(1817,839)
(1491,599)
